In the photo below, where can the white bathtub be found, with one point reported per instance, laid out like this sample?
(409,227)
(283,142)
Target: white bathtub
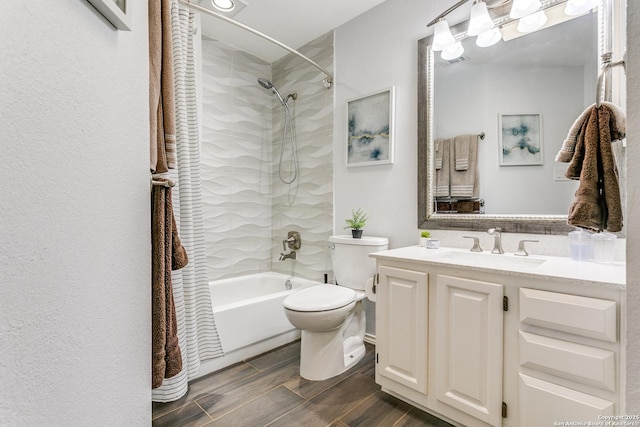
(248,310)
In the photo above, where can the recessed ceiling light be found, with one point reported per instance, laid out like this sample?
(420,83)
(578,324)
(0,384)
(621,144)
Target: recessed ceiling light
(223,5)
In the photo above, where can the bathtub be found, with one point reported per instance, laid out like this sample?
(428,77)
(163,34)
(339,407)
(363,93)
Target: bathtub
(248,311)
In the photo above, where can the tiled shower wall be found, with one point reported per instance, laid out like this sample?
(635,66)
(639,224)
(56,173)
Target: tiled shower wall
(247,210)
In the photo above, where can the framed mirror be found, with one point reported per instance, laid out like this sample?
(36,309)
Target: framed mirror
(539,81)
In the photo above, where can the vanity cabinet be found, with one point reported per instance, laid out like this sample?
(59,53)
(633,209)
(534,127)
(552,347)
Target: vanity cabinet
(478,347)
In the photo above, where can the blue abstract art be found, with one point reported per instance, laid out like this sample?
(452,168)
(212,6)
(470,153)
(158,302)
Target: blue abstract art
(370,123)
(520,139)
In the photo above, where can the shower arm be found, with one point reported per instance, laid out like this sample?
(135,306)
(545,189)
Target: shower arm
(328,81)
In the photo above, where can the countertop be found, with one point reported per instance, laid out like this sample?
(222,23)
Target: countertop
(555,268)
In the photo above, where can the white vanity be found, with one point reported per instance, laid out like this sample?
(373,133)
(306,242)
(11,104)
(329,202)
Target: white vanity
(482,339)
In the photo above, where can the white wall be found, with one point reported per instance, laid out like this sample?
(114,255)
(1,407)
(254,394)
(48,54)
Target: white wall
(74,217)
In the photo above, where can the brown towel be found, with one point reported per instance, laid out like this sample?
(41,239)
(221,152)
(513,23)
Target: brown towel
(161,95)
(618,130)
(597,205)
(167,254)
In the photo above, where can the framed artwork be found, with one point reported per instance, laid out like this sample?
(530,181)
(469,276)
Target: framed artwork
(370,129)
(116,11)
(520,139)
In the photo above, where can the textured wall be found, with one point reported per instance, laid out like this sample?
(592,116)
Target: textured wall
(248,211)
(235,161)
(74,217)
(307,205)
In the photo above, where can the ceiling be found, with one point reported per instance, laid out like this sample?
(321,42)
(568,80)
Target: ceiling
(292,22)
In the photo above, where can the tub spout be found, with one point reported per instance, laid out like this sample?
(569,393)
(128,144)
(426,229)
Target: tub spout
(290,255)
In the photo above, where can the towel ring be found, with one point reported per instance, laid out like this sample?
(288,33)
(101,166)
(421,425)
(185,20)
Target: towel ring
(606,57)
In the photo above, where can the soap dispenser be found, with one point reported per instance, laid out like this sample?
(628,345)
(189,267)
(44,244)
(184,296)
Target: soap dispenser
(580,245)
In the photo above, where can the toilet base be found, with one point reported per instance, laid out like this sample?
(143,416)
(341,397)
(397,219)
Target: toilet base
(324,355)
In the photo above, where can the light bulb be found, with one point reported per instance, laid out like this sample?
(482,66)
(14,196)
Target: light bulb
(578,7)
(489,38)
(532,22)
(452,52)
(442,37)
(223,5)
(521,8)
(480,21)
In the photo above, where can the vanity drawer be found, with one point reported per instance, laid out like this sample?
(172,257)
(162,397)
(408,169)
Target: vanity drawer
(544,404)
(576,362)
(588,317)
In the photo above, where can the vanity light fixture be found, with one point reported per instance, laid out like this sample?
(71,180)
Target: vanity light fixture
(522,8)
(442,37)
(452,52)
(578,7)
(489,38)
(223,5)
(532,22)
(480,21)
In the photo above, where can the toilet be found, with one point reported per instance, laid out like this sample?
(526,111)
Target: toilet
(332,317)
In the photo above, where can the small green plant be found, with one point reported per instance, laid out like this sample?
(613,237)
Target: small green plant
(425,234)
(357,220)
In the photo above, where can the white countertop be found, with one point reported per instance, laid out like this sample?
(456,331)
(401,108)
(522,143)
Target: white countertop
(534,266)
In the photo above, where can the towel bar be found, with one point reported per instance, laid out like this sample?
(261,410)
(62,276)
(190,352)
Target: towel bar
(606,58)
(167,183)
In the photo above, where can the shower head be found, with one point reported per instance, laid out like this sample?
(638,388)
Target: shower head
(268,85)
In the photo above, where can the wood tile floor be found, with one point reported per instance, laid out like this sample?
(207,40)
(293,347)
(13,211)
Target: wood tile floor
(267,390)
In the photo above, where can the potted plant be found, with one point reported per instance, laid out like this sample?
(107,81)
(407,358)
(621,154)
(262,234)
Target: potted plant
(424,238)
(356,223)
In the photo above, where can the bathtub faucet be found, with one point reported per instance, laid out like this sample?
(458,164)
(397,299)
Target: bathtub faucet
(290,255)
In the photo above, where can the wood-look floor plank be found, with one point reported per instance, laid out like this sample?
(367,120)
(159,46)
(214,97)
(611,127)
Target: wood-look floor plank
(379,409)
(260,411)
(234,395)
(190,415)
(417,418)
(284,354)
(205,386)
(331,404)
(309,389)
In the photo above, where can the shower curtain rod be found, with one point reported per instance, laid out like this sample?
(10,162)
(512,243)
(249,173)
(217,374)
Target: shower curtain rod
(328,81)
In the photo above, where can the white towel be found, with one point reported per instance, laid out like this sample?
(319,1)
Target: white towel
(464,183)
(442,174)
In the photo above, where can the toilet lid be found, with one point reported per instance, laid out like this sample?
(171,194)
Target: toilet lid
(320,298)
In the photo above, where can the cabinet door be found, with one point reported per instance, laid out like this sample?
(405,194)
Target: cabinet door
(468,334)
(401,327)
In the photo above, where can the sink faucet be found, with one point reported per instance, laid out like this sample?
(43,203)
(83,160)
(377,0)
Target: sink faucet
(290,255)
(497,234)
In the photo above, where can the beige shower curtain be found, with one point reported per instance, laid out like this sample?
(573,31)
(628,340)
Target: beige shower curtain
(197,333)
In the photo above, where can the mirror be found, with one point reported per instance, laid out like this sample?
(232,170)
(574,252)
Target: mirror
(548,76)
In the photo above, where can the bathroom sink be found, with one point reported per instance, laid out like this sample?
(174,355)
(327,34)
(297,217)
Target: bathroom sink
(489,260)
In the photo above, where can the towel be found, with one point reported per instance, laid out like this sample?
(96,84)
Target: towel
(167,254)
(438,156)
(442,174)
(161,96)
(618,130)
(464,183)
(461,151)
(597,205)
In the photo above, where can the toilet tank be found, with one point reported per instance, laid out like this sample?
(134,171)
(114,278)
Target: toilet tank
(352,265)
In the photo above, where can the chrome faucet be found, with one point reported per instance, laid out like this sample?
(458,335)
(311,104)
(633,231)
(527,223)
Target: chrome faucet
(497,234)
(290,255)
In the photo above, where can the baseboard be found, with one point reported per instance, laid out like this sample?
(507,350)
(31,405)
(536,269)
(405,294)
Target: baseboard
(371,339)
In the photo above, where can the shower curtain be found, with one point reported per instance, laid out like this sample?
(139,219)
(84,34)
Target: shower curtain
(197,333)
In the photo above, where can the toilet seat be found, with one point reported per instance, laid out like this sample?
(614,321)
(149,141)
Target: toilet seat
(320,298)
